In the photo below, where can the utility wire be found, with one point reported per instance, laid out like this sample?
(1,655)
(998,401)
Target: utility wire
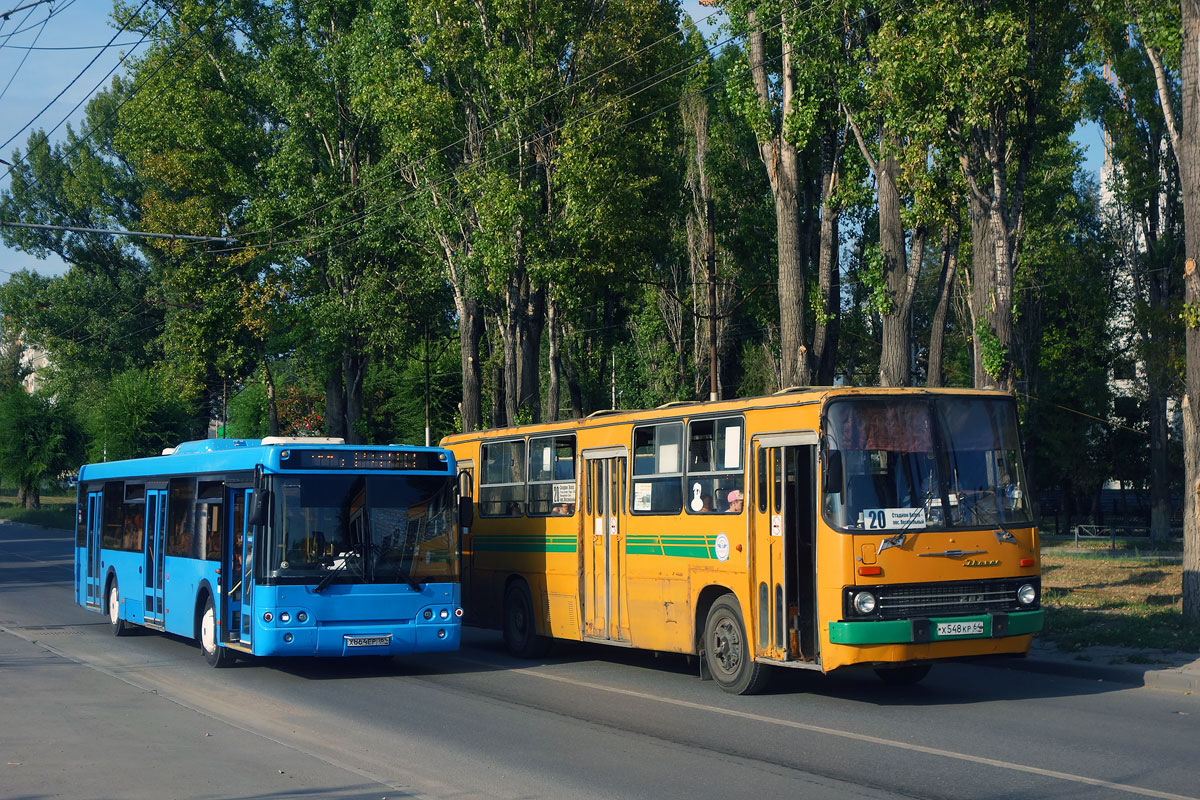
(37,116)
(53,13)
(87,135)
(25,57)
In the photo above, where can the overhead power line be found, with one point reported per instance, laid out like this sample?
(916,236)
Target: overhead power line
(4,15)
(37,116)
(144,234)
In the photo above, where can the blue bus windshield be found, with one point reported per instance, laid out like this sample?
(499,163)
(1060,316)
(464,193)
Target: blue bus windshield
(366,528)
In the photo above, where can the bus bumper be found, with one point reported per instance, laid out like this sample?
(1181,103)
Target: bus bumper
(358,640)
(936,629)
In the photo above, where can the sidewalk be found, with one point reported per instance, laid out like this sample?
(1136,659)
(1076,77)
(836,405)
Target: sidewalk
(1154,669)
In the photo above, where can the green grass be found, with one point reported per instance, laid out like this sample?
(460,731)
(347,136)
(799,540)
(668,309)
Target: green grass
(50,515)
(1128,598)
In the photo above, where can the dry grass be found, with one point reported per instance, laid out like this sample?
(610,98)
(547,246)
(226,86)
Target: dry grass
(1095,596)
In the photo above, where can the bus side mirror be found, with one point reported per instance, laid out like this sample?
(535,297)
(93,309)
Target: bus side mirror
(832,479)
(259,504)
(466,512)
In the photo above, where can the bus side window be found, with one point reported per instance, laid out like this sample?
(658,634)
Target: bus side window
(502,478)
(114,515)
(181,529)
(551,476)
(658,469)
(715,478)
(209,520)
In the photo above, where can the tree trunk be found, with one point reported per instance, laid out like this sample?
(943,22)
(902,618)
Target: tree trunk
(555,365)
(335,403)
(354,370)
(1160,474)
(272,404)
(1187,153)
(780,158)
(937,331)
(827,326)
(533,321)
(895,356)
(982,300)
(470,333)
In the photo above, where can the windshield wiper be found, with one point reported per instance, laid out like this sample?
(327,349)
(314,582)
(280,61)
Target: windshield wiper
(404,576)
(333,573)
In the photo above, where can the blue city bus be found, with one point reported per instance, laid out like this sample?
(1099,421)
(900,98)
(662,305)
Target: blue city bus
(276,547)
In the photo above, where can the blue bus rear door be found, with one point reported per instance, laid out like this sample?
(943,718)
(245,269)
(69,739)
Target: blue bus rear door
(93,590)
(156,524)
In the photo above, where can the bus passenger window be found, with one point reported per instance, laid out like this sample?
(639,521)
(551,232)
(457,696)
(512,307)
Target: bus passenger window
(114,516)
(552,476)
(715,477)
(657,469)
(181,529)
(502,479)
(209,520)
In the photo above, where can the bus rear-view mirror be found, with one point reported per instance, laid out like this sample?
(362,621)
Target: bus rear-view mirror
(832,477)
(259,504)
(466,512)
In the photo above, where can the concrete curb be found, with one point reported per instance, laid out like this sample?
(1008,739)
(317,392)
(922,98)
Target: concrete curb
(1153,669)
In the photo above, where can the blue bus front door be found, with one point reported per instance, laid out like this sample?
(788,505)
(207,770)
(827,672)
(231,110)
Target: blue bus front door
(240,607)
(93,590)
(156,524)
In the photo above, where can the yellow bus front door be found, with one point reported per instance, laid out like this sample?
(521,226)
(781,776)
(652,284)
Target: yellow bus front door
(783,555)
(605,616)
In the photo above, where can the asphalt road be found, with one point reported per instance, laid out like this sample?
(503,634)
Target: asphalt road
(85,715)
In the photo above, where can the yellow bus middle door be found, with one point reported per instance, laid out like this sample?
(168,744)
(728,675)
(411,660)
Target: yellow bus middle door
(605,616)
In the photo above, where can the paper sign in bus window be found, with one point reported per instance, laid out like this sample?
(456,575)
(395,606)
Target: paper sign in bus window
(641,496)
(881,519)
(733,447)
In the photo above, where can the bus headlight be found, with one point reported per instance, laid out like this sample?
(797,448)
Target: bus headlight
(864,603)
(301,616)
(427,613)
(1026,594)
(444,613)
(268,616)
(285,616)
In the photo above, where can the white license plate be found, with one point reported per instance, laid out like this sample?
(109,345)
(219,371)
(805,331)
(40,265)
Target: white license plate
(960,628)
(368,641)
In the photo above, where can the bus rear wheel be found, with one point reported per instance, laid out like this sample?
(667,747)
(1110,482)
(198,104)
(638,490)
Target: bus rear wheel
(903,676)
(520,624)
(727,650)
(118,626)
(214,654)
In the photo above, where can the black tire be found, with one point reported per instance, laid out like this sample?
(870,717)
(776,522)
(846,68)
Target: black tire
(520,624)
(727,650)
(206,635)
(118,626)
(903,676)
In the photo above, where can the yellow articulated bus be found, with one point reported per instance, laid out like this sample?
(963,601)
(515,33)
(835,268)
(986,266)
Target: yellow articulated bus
(820,528)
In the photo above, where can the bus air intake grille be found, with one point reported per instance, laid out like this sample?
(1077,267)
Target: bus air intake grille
(946,599)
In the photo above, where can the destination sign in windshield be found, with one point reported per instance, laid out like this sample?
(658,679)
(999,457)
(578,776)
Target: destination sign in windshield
(362,460)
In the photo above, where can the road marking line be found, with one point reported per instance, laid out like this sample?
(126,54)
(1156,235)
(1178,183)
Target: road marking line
(859,737)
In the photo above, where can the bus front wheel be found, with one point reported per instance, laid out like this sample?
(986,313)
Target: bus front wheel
(520,624)
(214,654)
(118,626)
(727,650)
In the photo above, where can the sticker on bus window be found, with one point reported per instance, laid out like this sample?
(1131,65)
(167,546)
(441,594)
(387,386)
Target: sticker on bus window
(881,519)
(563,493)
(641,496)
